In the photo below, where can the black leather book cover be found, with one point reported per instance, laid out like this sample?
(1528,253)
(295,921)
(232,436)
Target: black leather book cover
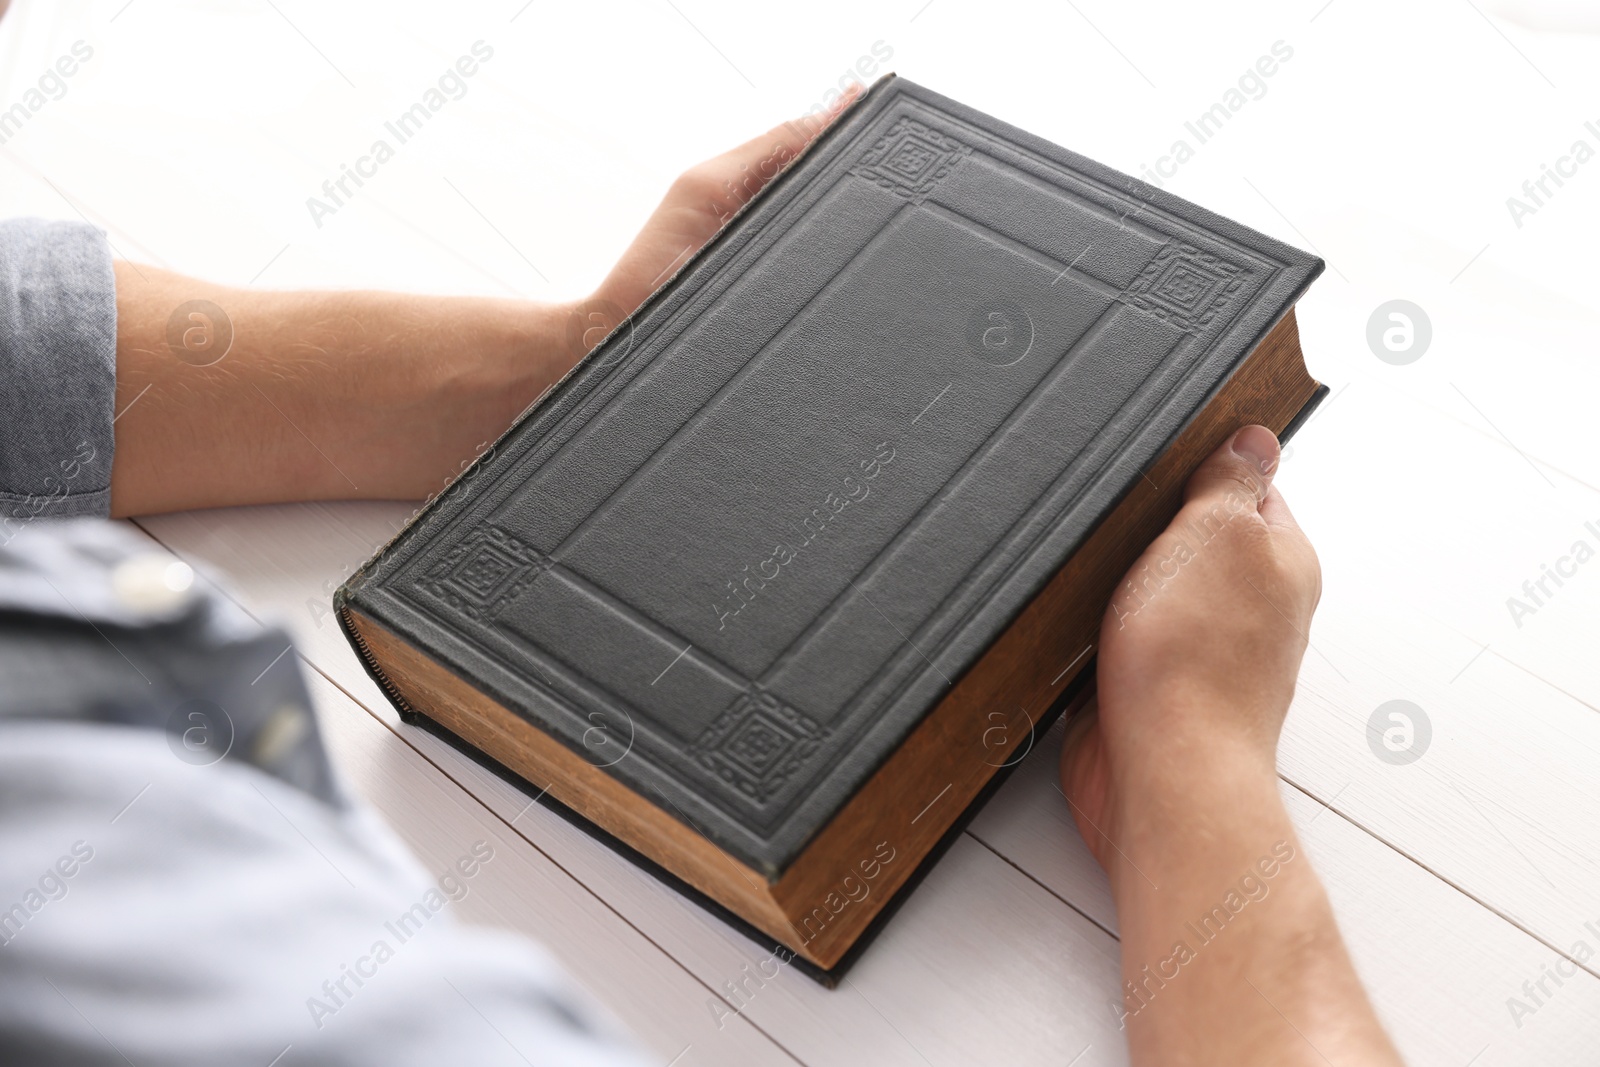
(755,536)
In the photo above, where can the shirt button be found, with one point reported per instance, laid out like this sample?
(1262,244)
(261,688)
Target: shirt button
(153,584)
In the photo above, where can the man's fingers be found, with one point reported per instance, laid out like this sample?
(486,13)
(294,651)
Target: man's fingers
(1241,469)
(786,139)
(700,202)
(729,181)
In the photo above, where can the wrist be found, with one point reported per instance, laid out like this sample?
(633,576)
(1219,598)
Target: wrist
(521,349)
(1203,799)
(432,392)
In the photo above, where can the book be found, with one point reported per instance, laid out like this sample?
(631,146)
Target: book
(780,578)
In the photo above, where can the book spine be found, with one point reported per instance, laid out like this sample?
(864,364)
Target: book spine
(370,662)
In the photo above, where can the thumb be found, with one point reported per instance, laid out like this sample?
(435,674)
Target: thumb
(1240,472)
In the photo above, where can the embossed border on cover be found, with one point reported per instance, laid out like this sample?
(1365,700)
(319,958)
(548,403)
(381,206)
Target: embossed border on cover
(1185,286)
(484,572)
(757,744)
(911,159)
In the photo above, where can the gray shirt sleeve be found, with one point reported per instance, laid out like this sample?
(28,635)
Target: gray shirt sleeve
(58,370)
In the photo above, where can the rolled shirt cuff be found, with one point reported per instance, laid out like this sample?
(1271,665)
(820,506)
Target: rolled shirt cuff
(58,370)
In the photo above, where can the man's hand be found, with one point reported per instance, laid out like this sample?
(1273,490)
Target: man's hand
(1202,642)
(1230,953)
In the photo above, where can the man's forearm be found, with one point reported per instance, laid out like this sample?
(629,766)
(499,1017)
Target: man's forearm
(1229,944)
(314,395)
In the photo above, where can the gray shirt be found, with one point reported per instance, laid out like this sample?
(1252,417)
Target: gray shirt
(183,877)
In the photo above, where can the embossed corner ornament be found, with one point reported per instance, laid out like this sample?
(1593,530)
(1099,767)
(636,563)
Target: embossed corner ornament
(757,744)
(1185,286)
(484,572)
(911,159)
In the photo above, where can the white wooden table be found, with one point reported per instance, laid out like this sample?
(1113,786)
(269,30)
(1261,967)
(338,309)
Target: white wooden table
(1389,143)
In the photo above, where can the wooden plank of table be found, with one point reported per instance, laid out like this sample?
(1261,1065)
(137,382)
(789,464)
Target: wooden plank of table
(1418,565)
(1439,967)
